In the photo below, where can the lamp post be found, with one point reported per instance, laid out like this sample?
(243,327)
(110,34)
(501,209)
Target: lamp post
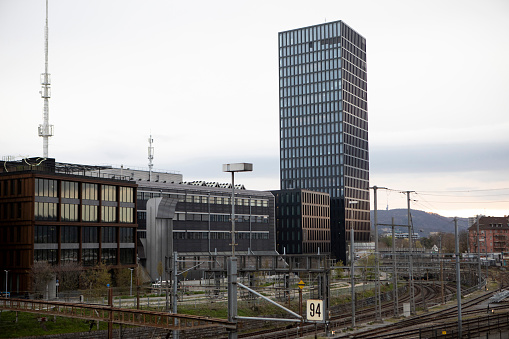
(239,167)
(131,288)
(232,261)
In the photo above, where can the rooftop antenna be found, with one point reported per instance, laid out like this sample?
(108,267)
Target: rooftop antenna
(150,157)
(45,130)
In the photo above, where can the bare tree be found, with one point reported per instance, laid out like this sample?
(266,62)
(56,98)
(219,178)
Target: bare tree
(69,276)
(41,274)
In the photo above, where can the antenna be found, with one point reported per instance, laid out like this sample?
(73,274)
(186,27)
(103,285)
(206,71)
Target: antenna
(150,157)
(45,130)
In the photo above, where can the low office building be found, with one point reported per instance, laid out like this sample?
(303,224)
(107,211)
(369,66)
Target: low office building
(55,212)
(302,221)
(195,219)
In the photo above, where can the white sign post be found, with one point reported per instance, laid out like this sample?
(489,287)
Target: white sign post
(314,310)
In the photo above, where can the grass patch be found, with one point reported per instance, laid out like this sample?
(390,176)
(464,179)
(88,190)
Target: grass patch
(28,325)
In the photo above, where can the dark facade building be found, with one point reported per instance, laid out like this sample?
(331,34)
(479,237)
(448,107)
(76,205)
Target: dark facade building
(53,212)
(324,123)
(302,221)
(195,219)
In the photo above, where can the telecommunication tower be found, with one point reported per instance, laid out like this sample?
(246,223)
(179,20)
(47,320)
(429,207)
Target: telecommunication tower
(150,157)
(45,129)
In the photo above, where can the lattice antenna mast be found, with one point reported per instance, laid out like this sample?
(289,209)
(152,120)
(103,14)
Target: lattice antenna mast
(150,157)
(45,130)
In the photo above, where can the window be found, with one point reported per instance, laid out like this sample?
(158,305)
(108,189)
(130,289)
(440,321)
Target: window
(109,256)
(127,234)
(68,255)
(46,255)
(69,190)
(69,234)
(108,235)
(108,214)
(45,211)
(126,215)
(46,188)
(89,192)
(45,234)
(126,194)
(108,193)
(90,256)
(69,212)
(126,256)
(90,235)
(89,213)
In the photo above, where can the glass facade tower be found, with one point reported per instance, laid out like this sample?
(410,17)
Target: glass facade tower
(324,123)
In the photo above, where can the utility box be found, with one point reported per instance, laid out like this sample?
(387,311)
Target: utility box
(406,309)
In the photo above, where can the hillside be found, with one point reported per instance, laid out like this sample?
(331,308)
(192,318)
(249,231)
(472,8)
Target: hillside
(425,221)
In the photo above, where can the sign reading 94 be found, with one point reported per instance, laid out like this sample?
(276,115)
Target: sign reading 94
(314,310)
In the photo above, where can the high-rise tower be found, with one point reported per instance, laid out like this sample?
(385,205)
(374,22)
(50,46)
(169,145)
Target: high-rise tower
(324,123)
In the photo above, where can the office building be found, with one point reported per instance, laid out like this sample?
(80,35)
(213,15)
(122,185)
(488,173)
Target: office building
(302,222)
(324,123)
(194,219)
(55,212)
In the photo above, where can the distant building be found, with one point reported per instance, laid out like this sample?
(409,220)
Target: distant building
(55,212)
(323,114)
(302,221)
(195,219)
(493,235)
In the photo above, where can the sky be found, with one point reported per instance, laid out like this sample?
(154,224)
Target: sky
(201,77)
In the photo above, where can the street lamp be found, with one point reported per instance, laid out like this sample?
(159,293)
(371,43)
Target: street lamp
(238,167)
(131,289)
(232,261)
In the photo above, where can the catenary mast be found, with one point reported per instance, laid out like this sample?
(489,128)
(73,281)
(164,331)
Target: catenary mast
(45,129)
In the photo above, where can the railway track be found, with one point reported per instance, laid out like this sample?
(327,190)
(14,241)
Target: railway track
(439,317)
(343,320)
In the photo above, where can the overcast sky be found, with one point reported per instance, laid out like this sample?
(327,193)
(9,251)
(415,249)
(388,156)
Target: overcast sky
(202,78)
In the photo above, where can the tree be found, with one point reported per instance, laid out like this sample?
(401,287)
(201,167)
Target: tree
(41,274)
(98,279)
(123,277)
(463,239)
(69,276)
(386,242)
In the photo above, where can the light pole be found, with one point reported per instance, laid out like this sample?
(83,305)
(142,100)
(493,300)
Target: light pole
(239,167)
(6,278)
(232,261)
(131,289)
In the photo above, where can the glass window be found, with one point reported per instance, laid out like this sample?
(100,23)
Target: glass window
(69,212)
(90,256)
(108,235)
(127,256)
(89,213)
(108,214)
(90,235)
(126,215)
(46,188)
(68,255)
(69,234)
(109,256)
(69,189)
(89,192)
(45,234)
(127,234)
(108,193)
(45,211)
(126,194)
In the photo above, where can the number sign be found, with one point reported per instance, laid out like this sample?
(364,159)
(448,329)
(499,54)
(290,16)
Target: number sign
(314,310)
